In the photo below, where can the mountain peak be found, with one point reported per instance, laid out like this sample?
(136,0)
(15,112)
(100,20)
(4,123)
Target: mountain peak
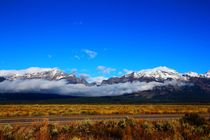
(38,69)
(207,75)
(33,72)
(161,72)
(163,68)
(192,74)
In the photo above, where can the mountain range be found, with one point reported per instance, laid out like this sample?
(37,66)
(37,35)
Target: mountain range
(159,84)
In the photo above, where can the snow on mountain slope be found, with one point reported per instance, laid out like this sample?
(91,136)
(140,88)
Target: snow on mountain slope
(207,75)
(163,73)
(156,74)
(32,73)
(192,74)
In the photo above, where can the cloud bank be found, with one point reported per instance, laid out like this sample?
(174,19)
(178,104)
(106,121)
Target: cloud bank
(61,87)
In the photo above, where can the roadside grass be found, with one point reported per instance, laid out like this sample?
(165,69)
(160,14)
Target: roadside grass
(186,128)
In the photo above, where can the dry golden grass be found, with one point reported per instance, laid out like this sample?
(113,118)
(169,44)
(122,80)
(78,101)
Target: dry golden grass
(125,129)
(65,110)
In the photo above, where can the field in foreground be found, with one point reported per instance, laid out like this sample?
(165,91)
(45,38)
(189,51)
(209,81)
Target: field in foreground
(66,110)
(190,127)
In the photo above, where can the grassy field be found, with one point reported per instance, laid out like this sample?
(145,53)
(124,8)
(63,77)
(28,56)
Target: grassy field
(65,110)
(190,127)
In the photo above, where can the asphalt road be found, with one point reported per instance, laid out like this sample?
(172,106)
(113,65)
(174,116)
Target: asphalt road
(61,119)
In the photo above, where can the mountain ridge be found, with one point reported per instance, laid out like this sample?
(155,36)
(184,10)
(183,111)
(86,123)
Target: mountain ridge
(158,84)
(158,73)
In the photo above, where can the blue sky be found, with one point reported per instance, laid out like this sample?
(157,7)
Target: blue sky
(116,34)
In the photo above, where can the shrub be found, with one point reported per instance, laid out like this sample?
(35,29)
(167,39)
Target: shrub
(199,130)
(193,119)
(8,131)
(53,130)
(122,124)
(205,128)
(53,113)
(167,127)
(30,135)
(67,129)
(84,127)
(145,125)
(84,112)
(37,114)
(130,121)
(158,126)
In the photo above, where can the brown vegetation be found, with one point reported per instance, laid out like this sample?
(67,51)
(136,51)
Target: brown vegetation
(65,110)
(187,128)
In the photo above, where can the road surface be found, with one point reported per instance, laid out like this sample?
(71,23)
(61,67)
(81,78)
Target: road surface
(61,119)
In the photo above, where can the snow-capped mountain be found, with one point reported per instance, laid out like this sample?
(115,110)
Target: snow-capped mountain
(40,73)
(33,73)
(157,84)
(159,74)
(163,73)
(192,74)
(207,75)
(194,86)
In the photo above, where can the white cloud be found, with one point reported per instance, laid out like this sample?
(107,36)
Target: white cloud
(61,87)
(90,53)
(106,70)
